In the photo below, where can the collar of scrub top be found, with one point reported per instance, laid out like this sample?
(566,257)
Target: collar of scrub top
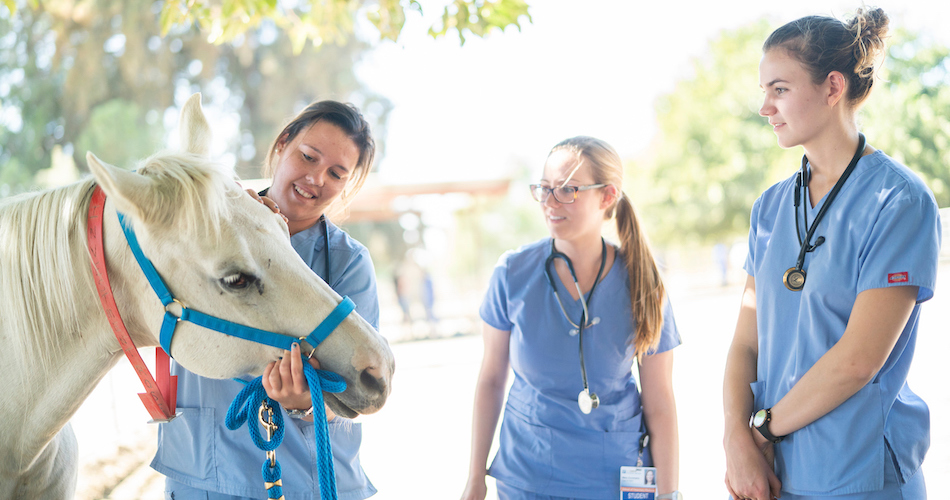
(555,254)
(801,192)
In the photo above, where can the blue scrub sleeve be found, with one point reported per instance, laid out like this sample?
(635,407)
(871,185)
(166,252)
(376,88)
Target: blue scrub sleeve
(494,309)
(753,225)
(903,248)
(358,282)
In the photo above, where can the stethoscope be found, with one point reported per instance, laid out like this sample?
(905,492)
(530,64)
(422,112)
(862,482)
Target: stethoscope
(794,277)
(326,240)
(586,400)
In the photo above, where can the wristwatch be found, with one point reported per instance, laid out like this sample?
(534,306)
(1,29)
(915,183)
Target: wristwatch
(676,495)
(760,420)
(300,413)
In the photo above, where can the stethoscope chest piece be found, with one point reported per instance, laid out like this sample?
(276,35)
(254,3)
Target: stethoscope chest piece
(794,279)
(587,401)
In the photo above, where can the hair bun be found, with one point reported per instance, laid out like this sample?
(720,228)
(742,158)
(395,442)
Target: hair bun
(869,27)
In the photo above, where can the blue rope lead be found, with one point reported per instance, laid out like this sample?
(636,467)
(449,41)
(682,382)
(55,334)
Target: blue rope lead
(245,406)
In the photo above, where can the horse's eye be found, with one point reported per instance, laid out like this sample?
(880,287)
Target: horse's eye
(237,281)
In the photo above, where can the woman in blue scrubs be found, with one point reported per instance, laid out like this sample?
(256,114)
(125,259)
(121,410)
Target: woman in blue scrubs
(841,256)
(572,420)
(321,158)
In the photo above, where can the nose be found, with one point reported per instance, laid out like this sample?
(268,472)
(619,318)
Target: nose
(550,200)
(767,108)
(317,175)
(375,384)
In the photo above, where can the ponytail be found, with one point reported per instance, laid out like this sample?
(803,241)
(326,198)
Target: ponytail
(646,287)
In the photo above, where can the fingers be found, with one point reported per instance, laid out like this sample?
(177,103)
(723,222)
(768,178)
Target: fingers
(254,195)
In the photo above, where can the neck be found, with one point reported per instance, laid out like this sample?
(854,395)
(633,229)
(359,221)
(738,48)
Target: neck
(830,154)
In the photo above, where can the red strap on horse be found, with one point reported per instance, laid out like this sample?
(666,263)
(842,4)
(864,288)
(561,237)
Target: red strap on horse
(160,396)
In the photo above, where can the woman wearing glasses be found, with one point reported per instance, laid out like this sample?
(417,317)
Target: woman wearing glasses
(570,314)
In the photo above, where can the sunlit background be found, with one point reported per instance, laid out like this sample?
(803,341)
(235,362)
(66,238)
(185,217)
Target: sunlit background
(463,128)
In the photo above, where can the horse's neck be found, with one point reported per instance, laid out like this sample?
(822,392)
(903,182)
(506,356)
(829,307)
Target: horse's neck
(43,396)
(42,405)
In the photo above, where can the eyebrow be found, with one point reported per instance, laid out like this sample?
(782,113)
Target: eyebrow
(777,80)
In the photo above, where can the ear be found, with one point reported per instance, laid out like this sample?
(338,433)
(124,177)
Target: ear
(837,87)
(194,133)
(610,196)
(129,191)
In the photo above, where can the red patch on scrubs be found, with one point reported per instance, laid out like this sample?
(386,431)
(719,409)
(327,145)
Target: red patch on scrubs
(897,278)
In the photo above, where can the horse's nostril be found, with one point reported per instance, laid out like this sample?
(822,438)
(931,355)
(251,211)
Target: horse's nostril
(370,381)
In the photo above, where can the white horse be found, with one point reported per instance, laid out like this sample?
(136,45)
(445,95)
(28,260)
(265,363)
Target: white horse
(218,250)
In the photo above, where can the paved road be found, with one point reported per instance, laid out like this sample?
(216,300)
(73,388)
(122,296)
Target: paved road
(417,446)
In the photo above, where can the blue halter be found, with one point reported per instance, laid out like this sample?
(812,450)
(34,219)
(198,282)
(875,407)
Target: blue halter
(246,401)
(319,334)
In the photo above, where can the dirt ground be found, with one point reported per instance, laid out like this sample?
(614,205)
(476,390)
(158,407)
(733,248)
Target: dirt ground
(417,446)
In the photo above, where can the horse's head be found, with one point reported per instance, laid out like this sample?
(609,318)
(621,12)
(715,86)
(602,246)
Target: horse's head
(224,254)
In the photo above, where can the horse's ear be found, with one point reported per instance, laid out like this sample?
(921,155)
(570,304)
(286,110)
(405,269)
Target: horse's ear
(194,133)
(129,191)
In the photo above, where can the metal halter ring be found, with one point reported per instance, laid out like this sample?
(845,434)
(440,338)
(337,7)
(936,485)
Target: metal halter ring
(180,304)
(304,339)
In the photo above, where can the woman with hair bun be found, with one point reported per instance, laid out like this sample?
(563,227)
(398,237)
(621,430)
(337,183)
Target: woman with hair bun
(571,315)
(841,256)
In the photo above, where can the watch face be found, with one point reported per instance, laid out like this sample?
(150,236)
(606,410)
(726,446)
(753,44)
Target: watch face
(759,418)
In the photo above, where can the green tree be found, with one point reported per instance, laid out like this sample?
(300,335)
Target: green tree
(99,75)
(714,154)
(909,116)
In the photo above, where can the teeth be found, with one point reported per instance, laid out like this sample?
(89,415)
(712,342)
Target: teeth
(302,193)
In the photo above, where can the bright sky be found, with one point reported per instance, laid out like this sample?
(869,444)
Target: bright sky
(583,67)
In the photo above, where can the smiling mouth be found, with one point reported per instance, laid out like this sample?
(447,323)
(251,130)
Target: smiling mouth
(303,193)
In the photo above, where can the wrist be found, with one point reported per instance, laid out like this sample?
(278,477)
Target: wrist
(675,495)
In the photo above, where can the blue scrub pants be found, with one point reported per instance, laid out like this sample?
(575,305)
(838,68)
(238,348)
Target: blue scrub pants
(507,492)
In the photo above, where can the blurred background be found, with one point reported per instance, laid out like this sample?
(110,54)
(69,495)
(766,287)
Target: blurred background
(465,98)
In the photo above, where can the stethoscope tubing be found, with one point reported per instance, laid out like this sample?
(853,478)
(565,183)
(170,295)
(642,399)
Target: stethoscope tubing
(801,191)
(555,254)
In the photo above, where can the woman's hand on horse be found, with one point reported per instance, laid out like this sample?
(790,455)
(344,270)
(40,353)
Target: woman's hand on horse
(267,202)
(285,382)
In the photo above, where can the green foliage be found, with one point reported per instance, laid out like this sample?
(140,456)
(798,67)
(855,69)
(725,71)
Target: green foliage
(106,134)
(70,71)
(715,154)
(908,117)
(321,21)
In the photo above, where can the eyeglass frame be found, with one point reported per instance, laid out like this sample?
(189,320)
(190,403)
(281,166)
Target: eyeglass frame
(549,191)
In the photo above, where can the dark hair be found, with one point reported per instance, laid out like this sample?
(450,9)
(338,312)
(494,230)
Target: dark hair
(647,291)
(825,44)
(348,119)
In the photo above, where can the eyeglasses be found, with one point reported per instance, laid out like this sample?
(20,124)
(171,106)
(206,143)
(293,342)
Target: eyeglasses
(563,194)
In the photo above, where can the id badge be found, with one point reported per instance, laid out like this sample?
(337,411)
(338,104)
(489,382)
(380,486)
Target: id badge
(637,483)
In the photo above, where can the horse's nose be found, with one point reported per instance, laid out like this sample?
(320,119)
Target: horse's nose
(375,383)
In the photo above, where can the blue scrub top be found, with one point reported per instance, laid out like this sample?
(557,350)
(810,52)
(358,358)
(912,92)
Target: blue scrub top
(882,230)
(198,450)
(546,444)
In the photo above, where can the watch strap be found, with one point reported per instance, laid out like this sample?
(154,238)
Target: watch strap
(763,428)
(676,495)
(300,413)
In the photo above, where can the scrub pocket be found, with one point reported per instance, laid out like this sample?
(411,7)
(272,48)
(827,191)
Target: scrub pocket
(186,444)
(841,452)
(524,454)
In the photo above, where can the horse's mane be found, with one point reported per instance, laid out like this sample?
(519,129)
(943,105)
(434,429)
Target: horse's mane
(44,259)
